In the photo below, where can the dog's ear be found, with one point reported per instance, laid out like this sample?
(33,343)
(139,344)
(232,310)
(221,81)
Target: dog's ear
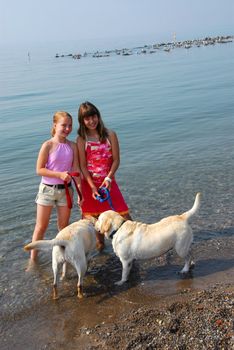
(106,225)
(103,225)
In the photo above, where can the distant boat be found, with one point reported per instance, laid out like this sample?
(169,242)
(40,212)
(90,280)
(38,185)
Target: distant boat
(224,41)
(127,53)
(77,56)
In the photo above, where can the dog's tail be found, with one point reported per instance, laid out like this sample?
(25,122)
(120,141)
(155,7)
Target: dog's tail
(46,244)
(194,209)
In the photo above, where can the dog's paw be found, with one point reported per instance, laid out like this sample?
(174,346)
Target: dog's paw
(80,294)
(119,283)
(192,265)
(187,269)
(55,296)
(55,293)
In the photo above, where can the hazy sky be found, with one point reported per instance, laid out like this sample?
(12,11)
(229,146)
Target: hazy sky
(23,21)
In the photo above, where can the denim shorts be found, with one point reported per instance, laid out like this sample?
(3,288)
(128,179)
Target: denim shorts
(52,196)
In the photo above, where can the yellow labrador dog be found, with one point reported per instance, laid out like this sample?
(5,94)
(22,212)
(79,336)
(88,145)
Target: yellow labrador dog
(74,244)
(135,240)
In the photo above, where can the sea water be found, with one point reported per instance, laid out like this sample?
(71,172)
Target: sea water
(173,113)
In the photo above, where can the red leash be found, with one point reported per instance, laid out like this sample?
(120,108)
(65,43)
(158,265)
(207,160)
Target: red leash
(69,201)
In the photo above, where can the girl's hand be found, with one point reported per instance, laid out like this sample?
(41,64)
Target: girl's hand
(106,183)
(95,192)
(65,176)
(80,201)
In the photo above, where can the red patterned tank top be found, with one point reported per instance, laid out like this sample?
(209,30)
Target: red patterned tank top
(99,159)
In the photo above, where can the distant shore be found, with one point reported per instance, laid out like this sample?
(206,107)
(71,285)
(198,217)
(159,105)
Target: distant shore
(153,48)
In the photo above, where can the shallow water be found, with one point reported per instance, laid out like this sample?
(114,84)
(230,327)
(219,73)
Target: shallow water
(173,114)
(46,323)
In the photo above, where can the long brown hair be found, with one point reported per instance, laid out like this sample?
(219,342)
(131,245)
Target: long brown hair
(58,115)
(87,109)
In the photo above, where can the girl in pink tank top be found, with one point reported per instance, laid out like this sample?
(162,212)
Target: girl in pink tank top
(57,157)
(99,160)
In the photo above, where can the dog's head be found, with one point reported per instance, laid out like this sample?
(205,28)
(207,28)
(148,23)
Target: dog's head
(108,222)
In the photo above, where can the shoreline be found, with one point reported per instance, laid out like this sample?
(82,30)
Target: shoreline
(156,309)
(192,320)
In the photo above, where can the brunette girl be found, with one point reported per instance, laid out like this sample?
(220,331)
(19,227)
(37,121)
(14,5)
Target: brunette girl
(98,149)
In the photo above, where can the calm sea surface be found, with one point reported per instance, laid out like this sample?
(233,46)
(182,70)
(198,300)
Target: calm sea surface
(174,116)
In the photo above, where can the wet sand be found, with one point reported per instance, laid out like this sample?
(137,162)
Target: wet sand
(156,309)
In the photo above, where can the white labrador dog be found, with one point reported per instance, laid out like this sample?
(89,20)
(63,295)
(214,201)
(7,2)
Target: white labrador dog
(74,244)
(135,240)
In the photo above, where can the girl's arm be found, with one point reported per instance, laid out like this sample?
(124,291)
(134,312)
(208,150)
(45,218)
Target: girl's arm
(115,153)
(116,158)
(83,166)
(41,163)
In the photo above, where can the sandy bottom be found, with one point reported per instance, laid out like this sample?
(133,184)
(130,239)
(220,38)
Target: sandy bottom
(156,309)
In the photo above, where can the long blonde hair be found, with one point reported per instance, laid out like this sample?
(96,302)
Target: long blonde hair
(57,116)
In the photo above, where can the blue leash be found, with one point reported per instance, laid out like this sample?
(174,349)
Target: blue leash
(104,196)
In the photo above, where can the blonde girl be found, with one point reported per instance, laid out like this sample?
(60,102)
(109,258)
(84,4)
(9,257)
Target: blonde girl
(57,157)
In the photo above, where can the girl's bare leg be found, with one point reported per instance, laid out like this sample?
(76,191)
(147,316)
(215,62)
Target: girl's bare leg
(42,221)
(63,213)
(127,217)
(100,238)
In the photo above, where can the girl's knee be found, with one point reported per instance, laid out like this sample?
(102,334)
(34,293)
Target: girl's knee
(63,219)
(39,231)
(127,216)
(62,223)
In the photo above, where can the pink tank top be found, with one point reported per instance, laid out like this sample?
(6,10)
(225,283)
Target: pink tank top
(61,159)
(99,159)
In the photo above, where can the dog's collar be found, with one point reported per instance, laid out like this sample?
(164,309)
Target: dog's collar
(114,232)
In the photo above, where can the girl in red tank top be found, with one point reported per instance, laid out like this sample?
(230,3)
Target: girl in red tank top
(98,149)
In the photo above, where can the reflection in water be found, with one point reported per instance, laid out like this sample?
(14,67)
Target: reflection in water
(186,283)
